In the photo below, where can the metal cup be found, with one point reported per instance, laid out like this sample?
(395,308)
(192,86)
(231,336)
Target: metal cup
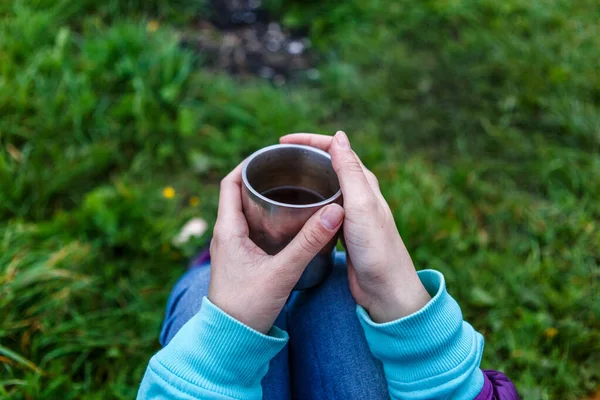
(274,224)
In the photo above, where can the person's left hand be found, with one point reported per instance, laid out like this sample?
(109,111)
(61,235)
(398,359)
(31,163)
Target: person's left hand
(381,274)
(245,282)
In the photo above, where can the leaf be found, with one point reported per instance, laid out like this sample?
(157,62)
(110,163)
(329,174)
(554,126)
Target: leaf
(481,297)
(239,114)
(187,120)
(19,359)
(170,92)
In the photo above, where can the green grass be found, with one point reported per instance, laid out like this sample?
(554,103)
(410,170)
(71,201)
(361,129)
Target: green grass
(481,118)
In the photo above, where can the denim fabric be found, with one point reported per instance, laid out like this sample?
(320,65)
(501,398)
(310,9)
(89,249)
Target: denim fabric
(327,356)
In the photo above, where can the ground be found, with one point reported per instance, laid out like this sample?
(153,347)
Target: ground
(481,119)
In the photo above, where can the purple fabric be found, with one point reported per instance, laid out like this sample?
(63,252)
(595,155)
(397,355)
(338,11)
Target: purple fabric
(201,259)
(497,386)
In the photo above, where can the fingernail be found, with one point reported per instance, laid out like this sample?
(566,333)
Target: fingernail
(342,139)
(332,217)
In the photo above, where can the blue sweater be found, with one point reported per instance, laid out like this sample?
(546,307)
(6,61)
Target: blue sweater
(431,354)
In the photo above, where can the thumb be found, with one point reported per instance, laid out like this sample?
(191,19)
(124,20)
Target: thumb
(314,235)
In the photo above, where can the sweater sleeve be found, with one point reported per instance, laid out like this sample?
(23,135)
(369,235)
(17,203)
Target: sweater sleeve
(431,354)
(213,356)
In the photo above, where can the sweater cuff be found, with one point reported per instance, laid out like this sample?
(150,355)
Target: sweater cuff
(433,346)
(218,353)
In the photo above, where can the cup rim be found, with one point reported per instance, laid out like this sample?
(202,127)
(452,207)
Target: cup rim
(248,186)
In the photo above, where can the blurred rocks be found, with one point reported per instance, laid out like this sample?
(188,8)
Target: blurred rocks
(240,37)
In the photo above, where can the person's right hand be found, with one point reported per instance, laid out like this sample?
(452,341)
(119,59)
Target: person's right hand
(245,282)
(381,274)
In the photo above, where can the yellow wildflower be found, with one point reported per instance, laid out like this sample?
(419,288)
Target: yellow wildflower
(152,26)
(194,201)
(551,332)
(168,192)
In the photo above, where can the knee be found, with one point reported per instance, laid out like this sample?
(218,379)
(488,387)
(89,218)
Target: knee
(334,294)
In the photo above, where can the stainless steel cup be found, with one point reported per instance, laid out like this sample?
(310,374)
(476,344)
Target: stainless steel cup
(273,224)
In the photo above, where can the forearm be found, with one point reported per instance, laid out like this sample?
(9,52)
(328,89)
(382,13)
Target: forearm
(432,353)
(212,357)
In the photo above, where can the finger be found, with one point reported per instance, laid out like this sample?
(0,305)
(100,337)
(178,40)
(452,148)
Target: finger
(374,184)
(308,139)
(371,178)
(230,216)
(350,173)
(323,142)
(316,233)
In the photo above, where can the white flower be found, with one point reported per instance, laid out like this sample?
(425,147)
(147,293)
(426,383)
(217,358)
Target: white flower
(194,227)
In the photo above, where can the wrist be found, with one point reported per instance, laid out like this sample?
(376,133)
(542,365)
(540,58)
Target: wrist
(238,310)
(205,356)
(403,297)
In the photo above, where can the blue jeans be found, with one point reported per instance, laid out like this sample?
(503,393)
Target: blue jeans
(327,356)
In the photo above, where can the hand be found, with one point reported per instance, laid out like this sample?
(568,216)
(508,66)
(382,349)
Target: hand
(381,274)
(245,282)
